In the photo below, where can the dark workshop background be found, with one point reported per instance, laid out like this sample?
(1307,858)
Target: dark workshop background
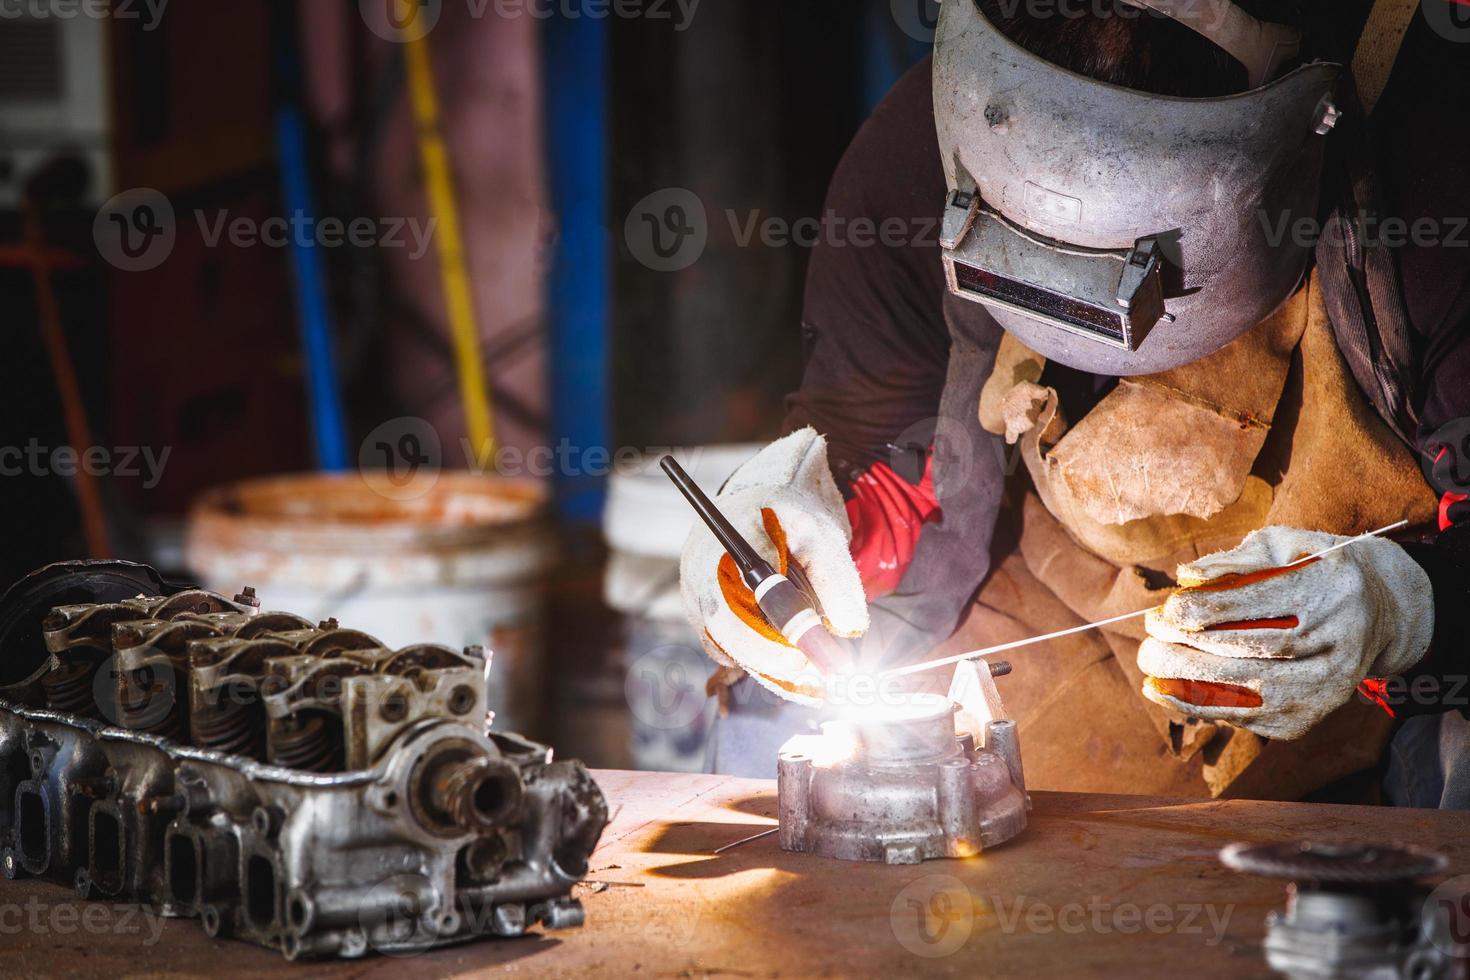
(555,127)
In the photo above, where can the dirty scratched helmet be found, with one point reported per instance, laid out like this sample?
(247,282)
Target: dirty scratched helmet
(1115,230)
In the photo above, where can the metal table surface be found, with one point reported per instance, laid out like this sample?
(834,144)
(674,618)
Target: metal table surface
(1098,885)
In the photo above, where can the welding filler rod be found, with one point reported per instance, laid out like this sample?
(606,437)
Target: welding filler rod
(973,654)
(784,605)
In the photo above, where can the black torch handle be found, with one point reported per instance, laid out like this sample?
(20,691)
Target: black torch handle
(753,568)
(786,606)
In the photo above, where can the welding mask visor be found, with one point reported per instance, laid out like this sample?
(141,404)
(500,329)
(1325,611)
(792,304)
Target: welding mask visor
(1117,231)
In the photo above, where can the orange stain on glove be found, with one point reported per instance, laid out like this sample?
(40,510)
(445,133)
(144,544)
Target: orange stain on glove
(1276,623)
(1206,694)
(1236,580)
(738,595)
(741,599)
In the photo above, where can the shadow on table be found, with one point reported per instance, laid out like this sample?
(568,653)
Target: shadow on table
(184,952)
(702,837)
(452,961)
(758,805)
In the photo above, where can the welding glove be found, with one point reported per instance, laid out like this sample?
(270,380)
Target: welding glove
(787,506)
(1275,650)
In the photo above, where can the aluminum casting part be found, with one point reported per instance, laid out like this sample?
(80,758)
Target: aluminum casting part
(1002,739)
(1352,910)
(439,832)
(923,731)
(1088,176)
(909,790)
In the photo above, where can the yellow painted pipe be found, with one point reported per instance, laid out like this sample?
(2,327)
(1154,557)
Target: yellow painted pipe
(449,244)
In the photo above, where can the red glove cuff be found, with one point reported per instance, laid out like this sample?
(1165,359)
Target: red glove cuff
(888,514)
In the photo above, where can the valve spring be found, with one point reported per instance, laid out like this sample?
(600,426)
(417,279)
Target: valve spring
(145,716)
(142,709)
(228,727)
(310,741)
(69,689)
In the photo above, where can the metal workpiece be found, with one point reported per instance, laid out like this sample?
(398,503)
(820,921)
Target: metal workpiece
(1353,910)
(297,786)
(901,787)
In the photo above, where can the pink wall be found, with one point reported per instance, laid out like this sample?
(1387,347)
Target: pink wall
(488,82)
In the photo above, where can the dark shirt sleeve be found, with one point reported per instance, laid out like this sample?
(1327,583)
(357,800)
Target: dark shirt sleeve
(1423,157)
(1423,143)
(893,382)
(873,326)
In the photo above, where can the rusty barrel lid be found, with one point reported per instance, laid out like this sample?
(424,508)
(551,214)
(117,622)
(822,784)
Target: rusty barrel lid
(328,530)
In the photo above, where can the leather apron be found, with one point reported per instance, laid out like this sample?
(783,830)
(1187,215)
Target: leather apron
(1271,430)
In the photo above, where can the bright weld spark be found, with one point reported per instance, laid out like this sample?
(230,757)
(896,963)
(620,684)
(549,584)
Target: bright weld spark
(959,658)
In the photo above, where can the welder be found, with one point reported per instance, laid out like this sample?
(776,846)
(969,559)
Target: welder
(1149,338)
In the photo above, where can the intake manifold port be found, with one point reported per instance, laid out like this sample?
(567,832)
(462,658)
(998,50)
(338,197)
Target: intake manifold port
(32,828)
(480,861)
(262,899)
(183,869)
(108,863)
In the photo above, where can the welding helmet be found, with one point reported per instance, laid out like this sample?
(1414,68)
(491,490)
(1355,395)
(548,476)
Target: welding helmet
(1118,231)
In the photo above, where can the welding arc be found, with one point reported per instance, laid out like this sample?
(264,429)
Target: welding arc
(973,654)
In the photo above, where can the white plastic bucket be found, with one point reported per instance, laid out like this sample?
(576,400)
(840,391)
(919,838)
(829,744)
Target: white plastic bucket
(462,564)
(645,523)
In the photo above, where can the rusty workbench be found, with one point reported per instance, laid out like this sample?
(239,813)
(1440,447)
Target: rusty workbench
(1097,885)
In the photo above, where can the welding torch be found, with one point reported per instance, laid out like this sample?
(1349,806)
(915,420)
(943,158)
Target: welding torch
(790,607)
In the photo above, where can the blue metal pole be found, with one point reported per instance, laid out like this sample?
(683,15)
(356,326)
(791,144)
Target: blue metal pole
(891,48)
(575,73)
(308,272)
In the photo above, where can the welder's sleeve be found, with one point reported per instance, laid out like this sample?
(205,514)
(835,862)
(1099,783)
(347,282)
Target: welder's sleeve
(875,344)
(887,375)
(1438,682)
(1422,175)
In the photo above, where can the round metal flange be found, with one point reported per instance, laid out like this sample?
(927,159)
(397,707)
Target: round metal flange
(1333,863)
(914,728)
